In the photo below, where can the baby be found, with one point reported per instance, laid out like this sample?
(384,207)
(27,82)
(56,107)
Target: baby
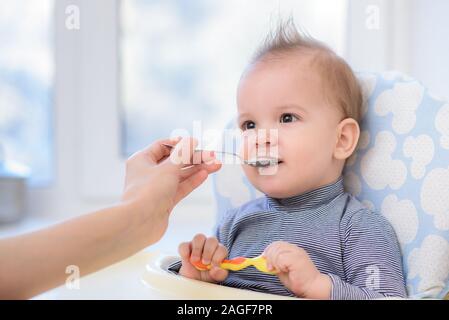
(321,241)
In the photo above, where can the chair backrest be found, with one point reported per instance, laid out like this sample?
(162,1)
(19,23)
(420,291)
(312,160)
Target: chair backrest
(400,169)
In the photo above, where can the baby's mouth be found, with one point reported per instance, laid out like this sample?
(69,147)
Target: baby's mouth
(265,162)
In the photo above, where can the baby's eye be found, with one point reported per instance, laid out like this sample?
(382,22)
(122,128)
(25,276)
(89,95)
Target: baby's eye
(288,117)
(248,125)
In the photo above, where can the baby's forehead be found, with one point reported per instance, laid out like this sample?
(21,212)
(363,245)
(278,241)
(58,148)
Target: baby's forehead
(279,73)
(275,74)
(306,83)
(302,61)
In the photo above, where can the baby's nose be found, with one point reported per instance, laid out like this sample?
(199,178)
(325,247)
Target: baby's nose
(267,137)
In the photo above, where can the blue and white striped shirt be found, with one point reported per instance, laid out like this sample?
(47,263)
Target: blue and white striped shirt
(356,247)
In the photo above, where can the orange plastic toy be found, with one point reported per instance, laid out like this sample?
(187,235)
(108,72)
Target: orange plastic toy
(238,263)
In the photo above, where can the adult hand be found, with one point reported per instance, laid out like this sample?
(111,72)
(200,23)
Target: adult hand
(157,179)
(155,183)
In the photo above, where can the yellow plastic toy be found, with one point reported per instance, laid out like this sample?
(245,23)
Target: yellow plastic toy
(239,263)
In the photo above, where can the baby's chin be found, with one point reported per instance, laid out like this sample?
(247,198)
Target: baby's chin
(275,188)
(275,181)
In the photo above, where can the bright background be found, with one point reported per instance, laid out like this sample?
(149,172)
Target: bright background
(75,103)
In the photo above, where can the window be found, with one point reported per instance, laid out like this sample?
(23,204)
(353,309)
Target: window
(26,70)
(181,60)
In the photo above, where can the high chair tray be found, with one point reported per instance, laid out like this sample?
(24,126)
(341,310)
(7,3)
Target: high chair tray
(173,286)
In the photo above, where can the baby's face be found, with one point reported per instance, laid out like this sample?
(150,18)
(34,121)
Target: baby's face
(285,97)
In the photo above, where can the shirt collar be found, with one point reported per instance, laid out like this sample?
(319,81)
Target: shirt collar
(309,199)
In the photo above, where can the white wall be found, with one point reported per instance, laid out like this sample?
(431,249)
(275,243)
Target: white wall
(429,46)
(378,35)
(413,37)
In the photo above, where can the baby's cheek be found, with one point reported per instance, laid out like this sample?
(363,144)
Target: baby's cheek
(247,170)
(305,158)
(316,160)
(252,176)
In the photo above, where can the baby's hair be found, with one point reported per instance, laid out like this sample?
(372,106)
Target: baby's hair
(340,84)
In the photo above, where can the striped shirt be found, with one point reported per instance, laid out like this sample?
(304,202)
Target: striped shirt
(356,247)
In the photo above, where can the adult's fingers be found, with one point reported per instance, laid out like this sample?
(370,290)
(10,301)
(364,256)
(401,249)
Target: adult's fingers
(185,154)
(182,154)
(189,171)
(190,184)
(157,152)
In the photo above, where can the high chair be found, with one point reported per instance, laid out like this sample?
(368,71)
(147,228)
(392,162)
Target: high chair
(400,169)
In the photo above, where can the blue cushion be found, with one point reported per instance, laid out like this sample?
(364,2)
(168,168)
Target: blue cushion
(400,168)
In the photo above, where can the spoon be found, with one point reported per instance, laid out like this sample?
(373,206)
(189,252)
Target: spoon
(261,162)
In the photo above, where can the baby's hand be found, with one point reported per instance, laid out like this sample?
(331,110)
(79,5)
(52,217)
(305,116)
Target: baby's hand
(206,250)
(296,271)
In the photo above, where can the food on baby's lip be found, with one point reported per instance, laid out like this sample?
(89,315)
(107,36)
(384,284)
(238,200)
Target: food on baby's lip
(263,162)
(237,264)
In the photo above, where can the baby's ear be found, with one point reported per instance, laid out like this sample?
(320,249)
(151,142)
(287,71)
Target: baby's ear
(348,133)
